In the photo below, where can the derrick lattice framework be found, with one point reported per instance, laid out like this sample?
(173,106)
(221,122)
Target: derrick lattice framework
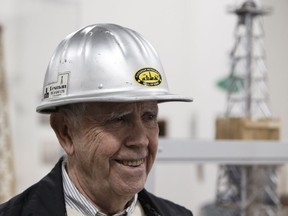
(248,93)
(248,190)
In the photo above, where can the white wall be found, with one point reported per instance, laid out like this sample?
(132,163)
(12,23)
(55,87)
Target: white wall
(193,38)
(276,41)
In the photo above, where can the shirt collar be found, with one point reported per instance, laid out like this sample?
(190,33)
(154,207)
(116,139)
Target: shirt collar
(75,200)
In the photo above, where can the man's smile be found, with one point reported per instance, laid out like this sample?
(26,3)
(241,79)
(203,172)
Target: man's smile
(132,163)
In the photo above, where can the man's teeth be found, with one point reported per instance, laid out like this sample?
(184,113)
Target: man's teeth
(133,163)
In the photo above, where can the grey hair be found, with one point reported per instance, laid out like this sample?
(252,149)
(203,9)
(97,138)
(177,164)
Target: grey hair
(75,112)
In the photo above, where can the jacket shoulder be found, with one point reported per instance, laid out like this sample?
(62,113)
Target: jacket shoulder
(164,207)
(15,205)
(44,198)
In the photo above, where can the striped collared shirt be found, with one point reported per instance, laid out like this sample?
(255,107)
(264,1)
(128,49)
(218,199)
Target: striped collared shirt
(75,200)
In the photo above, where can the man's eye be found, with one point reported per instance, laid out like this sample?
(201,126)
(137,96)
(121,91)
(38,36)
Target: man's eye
(119,119)
(150,117)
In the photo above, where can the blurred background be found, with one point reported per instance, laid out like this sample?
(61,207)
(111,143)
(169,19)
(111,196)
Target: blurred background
(193,38)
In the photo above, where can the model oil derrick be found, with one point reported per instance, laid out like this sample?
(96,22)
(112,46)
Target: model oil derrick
(249,190)
(7,186)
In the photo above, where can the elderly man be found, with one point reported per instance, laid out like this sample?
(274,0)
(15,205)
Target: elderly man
(102,89)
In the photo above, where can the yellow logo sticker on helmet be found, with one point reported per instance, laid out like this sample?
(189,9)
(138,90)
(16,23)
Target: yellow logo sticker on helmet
(148,77)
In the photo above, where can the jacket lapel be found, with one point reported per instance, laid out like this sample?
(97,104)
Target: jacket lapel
(48,197)
(147,205)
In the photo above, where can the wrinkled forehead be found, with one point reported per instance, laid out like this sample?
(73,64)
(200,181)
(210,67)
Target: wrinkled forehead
(111,107)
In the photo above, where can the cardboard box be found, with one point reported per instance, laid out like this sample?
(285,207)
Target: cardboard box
(247,129)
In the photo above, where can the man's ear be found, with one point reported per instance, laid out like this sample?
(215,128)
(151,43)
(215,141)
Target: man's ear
(62,129)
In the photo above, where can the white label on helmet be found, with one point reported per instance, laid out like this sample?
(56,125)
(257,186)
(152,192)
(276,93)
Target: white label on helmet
(58,88)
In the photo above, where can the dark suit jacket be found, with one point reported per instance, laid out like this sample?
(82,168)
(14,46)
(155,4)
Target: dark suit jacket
(46,198)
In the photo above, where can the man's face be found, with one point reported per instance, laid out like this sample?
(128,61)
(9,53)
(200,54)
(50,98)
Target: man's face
(115,147)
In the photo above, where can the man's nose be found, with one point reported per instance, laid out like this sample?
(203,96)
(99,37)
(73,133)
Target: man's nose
(137,135)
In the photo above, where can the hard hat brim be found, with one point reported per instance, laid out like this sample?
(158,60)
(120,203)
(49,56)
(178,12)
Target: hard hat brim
(51,106)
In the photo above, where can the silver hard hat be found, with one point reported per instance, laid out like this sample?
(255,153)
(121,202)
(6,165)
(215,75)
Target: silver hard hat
(104,63)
